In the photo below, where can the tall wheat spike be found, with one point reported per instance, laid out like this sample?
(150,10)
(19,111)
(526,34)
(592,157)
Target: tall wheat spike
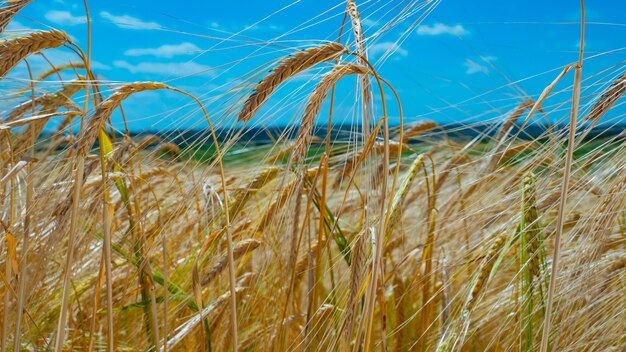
(366,89)
(530,227)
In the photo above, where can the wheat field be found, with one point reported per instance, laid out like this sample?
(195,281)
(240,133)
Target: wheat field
(387,237)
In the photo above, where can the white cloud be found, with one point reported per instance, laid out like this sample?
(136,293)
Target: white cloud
(440,28)
(65,18)
(165,51)
(125,21)
(97,65)
(368,22)
(473,67)
(262,27)
(165,68)
(379,49)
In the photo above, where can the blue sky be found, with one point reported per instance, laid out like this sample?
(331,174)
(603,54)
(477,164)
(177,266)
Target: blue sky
(464,61)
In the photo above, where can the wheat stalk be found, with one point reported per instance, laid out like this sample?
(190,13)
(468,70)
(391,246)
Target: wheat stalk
(564,186)
(569,156)
(23,276)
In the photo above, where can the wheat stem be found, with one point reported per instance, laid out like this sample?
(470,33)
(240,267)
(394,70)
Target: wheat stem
(564,187)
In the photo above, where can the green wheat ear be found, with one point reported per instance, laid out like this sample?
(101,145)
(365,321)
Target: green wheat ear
(532,258)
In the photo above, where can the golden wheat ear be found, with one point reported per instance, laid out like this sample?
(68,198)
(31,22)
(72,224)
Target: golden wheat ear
(320,93)
(241,248)
(359,40)
(418,129)
(106,108)
(13,51)
(10,10)
(357,27)
(54,70)
(290,66)
(515,115)
(49,104)
(608,99)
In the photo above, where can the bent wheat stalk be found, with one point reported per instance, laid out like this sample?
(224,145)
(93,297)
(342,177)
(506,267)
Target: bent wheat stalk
(564,187)
(86,139)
